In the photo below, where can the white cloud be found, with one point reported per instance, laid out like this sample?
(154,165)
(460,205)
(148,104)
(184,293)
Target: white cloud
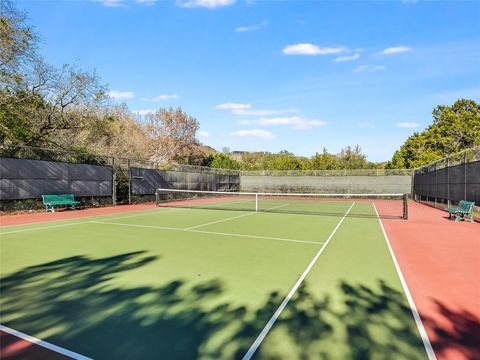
(161,98)
(347,58)
(210,4)
(143,112)
(203,134)
(112,3)
(233,106)
(409,1)
(259,112)
(251,28)
(408,125)
(246,110)
(366,125)
(310,49)
(369,68)
(124,3)
(117,95)
(253,133)
(395,50)
(295,122)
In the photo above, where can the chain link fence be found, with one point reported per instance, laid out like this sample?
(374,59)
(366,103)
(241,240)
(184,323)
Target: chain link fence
(146,178)
(445,182)
(329,181)
(27,173)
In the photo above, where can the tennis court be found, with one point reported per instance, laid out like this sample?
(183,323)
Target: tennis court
(316,280)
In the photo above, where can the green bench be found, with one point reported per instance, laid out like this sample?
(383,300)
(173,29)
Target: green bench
(52,201)
(464,209)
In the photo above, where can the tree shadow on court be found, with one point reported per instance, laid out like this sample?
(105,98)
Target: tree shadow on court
(460,331)
(379,321)
(358,322)
(78,303)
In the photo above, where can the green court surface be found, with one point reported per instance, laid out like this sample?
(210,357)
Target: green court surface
(182,283)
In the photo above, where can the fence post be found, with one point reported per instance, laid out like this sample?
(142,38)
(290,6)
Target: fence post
(413,189)
(436,184)
(114,183)
(129,182)
(465,175)
(448,181)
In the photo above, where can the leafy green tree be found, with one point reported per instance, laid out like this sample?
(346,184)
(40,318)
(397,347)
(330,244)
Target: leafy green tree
(15,124)
(353,158)
(284,160)
(322,161)
(455,128)
(348,158)
(221,161)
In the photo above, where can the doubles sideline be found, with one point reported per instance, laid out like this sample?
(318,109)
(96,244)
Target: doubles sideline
(416,316)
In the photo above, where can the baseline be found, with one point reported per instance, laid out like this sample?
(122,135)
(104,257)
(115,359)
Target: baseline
(44,344)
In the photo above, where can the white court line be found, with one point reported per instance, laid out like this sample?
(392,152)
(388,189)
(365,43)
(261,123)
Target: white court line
(44,344)
(74,218)
(41,228)
(256,237)
(233,217)
(143,214)
(287,299)
(218,221)
(416,316)
(208,232)
(83,222)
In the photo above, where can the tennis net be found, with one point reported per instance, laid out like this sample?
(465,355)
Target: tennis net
(360,205)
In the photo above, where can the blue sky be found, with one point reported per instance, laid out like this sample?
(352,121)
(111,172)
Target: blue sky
(266,75)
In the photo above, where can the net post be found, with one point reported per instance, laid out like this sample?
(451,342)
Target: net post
(157,198)
(256,202)
(405,206)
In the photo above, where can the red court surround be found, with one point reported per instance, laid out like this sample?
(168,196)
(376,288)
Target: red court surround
(440,260)
(37,217)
